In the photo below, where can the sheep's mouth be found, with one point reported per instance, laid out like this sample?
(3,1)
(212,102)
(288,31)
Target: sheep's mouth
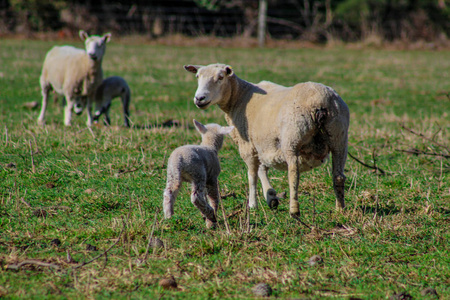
(202,105)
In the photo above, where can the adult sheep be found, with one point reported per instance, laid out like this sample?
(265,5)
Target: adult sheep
(293,128)
(74,73)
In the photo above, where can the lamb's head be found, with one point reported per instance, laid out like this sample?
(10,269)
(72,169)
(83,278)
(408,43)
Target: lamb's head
(95,45)
(80,104)
(212,134)
(213,84)
(101,107)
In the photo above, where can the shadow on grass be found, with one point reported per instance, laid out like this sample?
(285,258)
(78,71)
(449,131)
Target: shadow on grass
(384,211)
(166,124)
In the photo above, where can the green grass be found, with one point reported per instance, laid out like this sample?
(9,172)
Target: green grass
(106,186)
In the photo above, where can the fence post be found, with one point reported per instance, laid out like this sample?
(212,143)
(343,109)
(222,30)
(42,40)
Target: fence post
(262,22)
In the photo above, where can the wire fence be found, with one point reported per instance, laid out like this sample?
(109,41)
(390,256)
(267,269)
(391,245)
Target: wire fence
(310,20)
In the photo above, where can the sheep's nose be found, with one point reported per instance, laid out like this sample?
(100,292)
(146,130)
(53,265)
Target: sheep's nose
(200,98)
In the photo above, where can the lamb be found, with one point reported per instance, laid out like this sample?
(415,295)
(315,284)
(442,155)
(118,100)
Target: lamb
(111,88)
(288,128)
(200,166)
(74,73)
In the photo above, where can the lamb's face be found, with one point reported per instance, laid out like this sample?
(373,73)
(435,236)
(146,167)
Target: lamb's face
(101,107)
(80,104)
(213,83)
(95,45)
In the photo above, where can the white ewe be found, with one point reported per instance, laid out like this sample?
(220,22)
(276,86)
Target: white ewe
(291,128)
(74,73)
(111,88)
(200,166)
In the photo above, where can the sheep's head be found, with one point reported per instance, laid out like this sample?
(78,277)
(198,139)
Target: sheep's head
(213,83)
(95,45)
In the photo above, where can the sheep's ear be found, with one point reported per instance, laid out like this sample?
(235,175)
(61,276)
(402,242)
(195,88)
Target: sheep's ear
(192,68)
(83,35)
(226,130)
(200,127)
(107,37)
(229,70)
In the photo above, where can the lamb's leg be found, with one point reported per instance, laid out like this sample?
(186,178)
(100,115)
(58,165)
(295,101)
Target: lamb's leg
(269,192)
(339,157)
(198,199)
(107,118)
(294,177)
(45,90)
(213,195)
(170,194)
(126,108)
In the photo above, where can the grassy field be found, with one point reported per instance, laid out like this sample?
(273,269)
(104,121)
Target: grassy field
(103,187)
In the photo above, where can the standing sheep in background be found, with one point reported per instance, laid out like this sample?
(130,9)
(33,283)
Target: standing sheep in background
(74,73)
(291,128)
(200,166)
(111,88)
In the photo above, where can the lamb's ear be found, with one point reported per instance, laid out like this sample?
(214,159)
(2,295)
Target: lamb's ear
(83,35)
(200,127)
(229,70)
(192,68)
(226,130)
(107,37)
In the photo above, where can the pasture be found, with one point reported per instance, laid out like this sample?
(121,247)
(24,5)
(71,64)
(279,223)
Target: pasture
(71,191)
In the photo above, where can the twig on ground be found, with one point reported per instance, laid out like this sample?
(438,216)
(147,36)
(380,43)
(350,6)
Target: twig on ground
(236,212)
(297,218)
(33,167)
(121,172)
(426,138)
(32,262)
(417,152)
(25,202)
(374,167)
(227,226)
(150,237)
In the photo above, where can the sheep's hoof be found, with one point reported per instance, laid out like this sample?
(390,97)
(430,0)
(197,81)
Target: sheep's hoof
(272,199)
(295,215)
(210,224)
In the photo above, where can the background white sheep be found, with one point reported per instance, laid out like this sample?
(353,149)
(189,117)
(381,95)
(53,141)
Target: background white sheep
(291,128)
(200,166)
(73,73)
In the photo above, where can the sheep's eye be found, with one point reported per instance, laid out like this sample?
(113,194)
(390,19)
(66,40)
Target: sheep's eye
(220,77)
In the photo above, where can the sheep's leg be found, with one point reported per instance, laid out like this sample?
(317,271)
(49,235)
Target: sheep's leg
(45,91)
(107,118)
(89,111)
(269,192)
(339,157)
(213,195)
(294,177)
(68,111)
(198,199)
(252,165)
(126,109)
(170,194)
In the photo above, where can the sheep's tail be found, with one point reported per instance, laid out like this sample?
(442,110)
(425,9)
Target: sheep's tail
(320,118)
